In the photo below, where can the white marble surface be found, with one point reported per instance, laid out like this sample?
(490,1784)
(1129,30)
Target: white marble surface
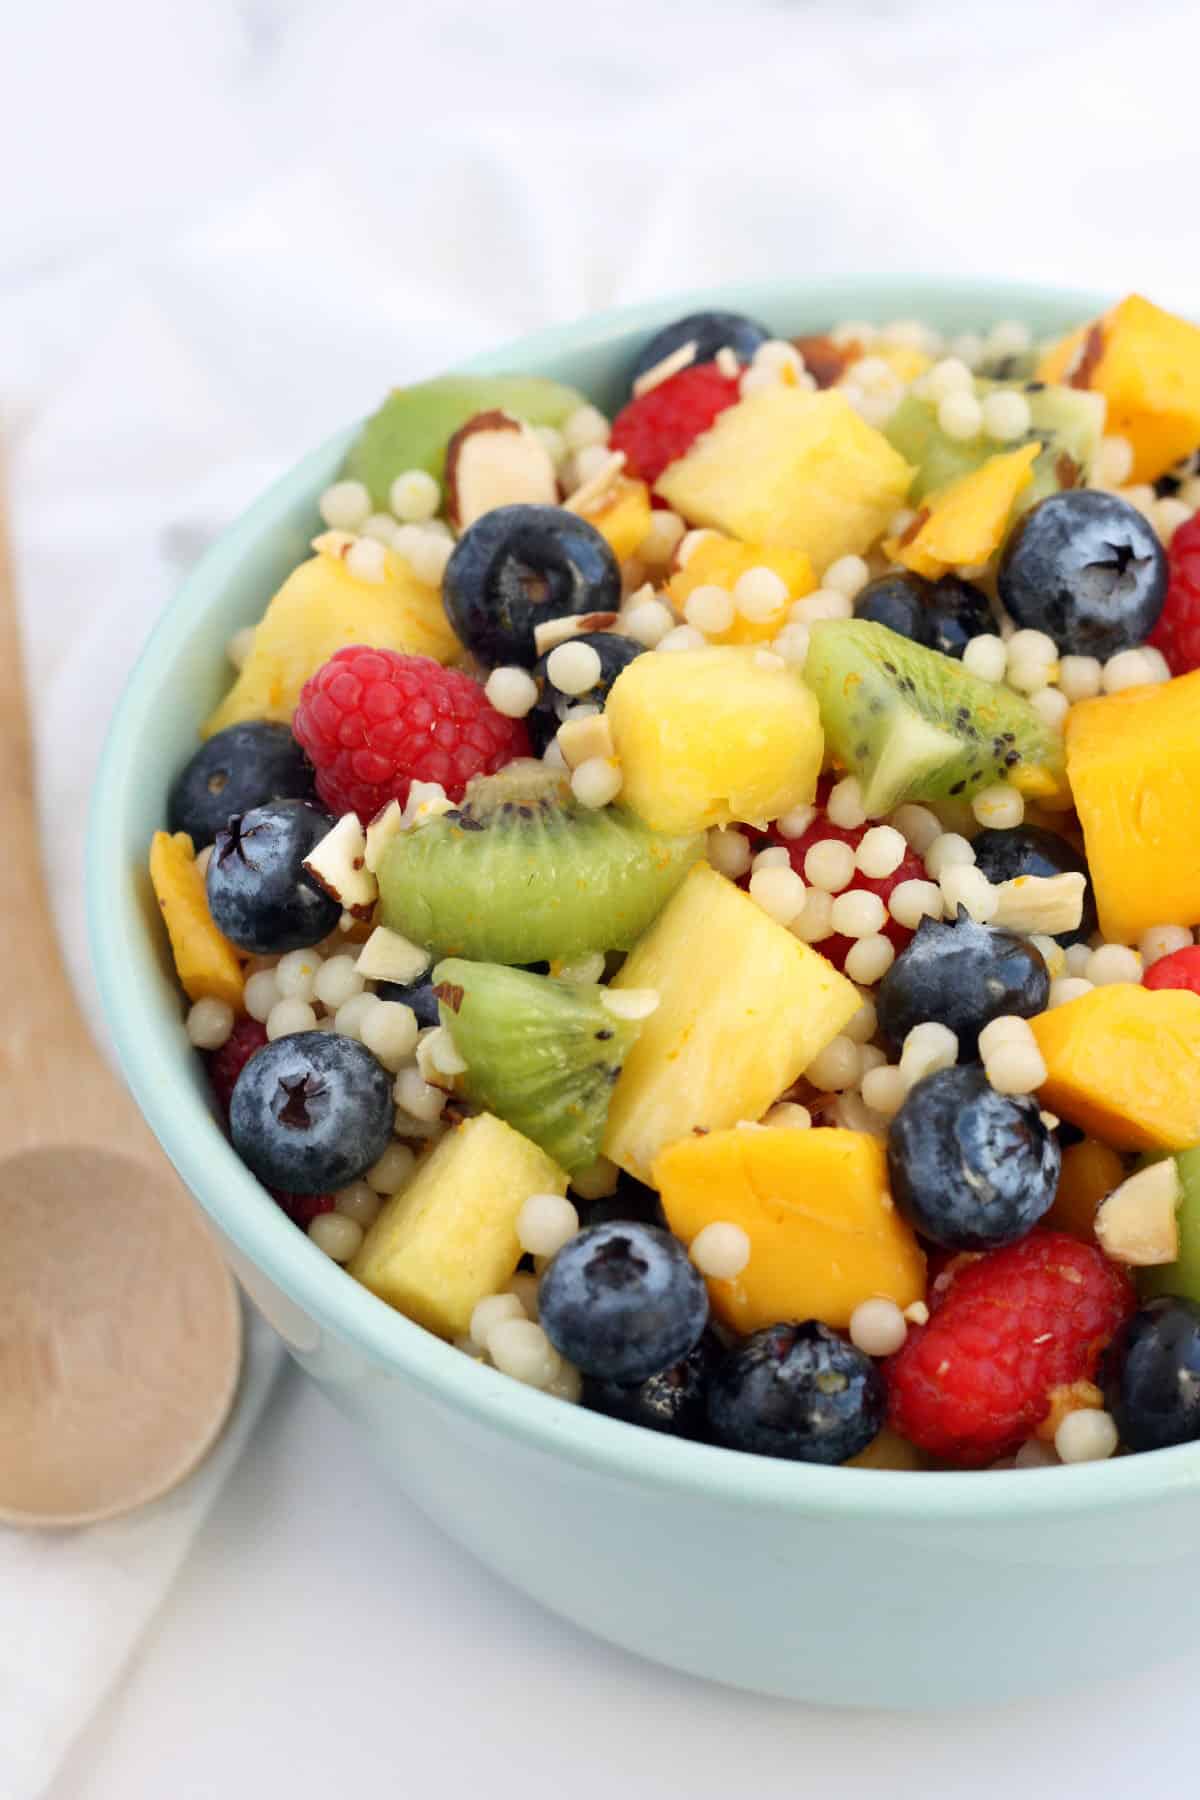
(227,225)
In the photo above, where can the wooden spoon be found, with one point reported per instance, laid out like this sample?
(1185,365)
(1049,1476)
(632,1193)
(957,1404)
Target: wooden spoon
(120,1327)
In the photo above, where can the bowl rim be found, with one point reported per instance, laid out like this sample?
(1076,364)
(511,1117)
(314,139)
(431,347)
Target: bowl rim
(225,1189)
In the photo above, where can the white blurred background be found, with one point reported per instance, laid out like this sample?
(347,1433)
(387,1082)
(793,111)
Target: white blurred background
(226,227)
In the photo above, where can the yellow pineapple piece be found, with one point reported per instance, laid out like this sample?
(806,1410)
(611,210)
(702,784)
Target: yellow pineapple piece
(206,962)
(449,1239)
(720,561)
(1146,363)
(320,608)
(965,522)
(786,466)
(705,737)
(622,516)
(744,1007)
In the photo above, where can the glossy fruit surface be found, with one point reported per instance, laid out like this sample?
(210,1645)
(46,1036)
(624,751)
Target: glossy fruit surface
(622,1302)
(799,1392)
(1154,1378)
(259,892)
(1086,568)
(517,567)
(962,975)
(311,1112)
(241,767)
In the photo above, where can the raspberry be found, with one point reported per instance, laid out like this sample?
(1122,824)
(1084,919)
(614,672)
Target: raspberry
(836,949)
(302,1209)
(373,721)
(1177,633)
(662,425)
(1179,970)
(227,1063)
(1012,1328)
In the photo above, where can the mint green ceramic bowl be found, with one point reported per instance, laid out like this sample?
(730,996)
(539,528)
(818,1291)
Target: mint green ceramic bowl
(846,1586)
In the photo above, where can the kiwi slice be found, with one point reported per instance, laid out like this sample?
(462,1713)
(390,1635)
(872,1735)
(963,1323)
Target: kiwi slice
(1067,422)
(414,424)
(520,872)
(541,1054)
(915,725)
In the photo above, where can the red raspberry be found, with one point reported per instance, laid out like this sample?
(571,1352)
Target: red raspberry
(227,1063)
(664,424)
(1177,633)
(1179,970)
(1012,1327)
(836,949)
(373,721)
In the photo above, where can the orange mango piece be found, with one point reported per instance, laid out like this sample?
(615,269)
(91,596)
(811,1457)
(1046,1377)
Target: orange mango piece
(824,1232)
(889,1451)
(1123,1063)
(622,516)
(1133,762)
(206,962)
(1090,1172)
(720,561)
(965,522)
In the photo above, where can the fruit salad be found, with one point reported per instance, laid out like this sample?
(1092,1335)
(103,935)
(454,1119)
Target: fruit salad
(698,908)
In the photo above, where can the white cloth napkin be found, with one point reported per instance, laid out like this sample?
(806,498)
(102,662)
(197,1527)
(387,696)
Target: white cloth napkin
(229,226)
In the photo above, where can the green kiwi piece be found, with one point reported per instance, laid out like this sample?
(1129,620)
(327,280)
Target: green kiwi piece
(520,872)
(414,425)
(1067,422)
(915,725)
(541,1054)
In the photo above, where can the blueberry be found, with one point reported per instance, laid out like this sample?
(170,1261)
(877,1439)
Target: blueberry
(519,566)
(963,975)
(631,1204)
(710,332)
(615,653)
(1086,568)
(1153,1376)
(311,1112)
(258,892)
(674,1401)
(942,615)
(622,1302)
(420,995)
(797,1391)
(1032,850)
(971,1169)
(243,766)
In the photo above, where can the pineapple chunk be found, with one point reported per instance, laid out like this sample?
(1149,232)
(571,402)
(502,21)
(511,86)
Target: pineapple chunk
(785,466)
(320,608)
(205,961)
(1146,363)
(824,1232)
(719,562)
(744,1007)
(705,737)
(965,522)
(621,516)
(449,1239)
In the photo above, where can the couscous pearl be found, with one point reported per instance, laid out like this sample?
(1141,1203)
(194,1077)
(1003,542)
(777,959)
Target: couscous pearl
(1127,669)
(381,527)
(968,346)
(780,893)
(926,1049)
(574,667)
(870,1056)
(1034,646)
(998,807)
(869,960)
(948,851)
(774,857)
(757,378)
(683,637)
(964,885)
(584,427)
(512,691)
(1076,957)
(825,603)
(545,1223)
(428,559)
(881,852)
(960,416)
(591,461)
(1033,1454)
(1079,677)
(1028,676)
(1006,416)
(1112,963)
(777,353)
(759,594)
(911,901)
(816,919)
(949,376)
(849,575)
(663,537)
(344,505)
(492,1312)
(729,852)
(835,1067)
(986,656)
(786,1115)
(297,973)
(1071,987)
(648,623)
(337,981)
(884,1090)
(844,807)
(1169,515)
(1015,1067)
(552,442)
(1157,662)
(1086,1435)
(209,1023)
(1114,462)
(1007,1029)
(566,1385)
(416,1096)
(525,1286)
(335,1234)
(393,1170)
(854,331)
(1052,953)
(597,781)
(720,1250)
(829,865)
(709,609)
(794,824)
(1050,706)
(389,1031)
(414,497)
(287,1017)
(262,993)
(521,1349)
(366,560)
(239,647)
(862,1024)
(359,1202)
(878,1327)
(918,825)
(858,914)
(352,1015)
(792,645)
(1159,941)
(1009,338)
(1143,497)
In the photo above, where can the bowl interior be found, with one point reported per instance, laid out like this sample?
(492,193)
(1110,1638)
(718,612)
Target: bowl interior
(180,676)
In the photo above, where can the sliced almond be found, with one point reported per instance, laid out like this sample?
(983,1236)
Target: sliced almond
(494,460)
(552,632)
(580,739)
(388,956)
(337,544)
(1138,1224)
(590,492)
(1049,903)
(338,864)
(663,371)
(383,828)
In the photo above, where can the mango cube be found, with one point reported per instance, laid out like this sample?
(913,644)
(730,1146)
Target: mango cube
(449,1239)
(622,516)
(207,964)
(1133,762)
(965,522)
(823,1228)
(786,466)
(720,561)
(705,737)
(744,1007)
(1123,1063)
